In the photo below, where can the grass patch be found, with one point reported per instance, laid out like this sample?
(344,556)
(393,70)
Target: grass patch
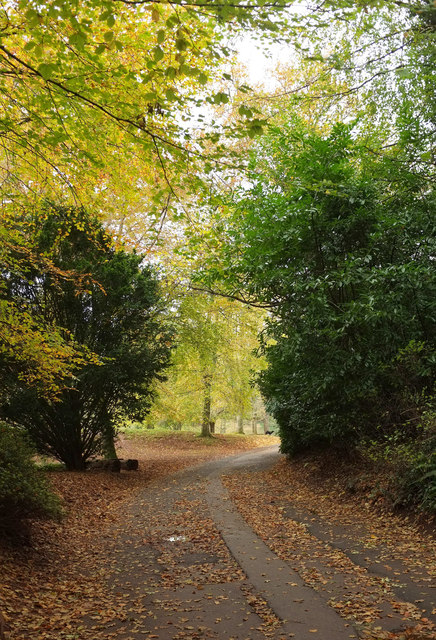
(50,466)
(158,434)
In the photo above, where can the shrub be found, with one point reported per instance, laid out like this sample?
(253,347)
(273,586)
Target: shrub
(409,453)
(418,485)
(23,491)
(417,481)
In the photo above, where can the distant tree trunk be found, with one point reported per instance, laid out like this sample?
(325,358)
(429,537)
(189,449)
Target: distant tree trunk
(207,388)
(254,426)
(240,424)
(212,426)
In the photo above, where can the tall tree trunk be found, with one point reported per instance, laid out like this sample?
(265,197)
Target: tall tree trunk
(254,426)
(74,461)
(207,388)
(240,424)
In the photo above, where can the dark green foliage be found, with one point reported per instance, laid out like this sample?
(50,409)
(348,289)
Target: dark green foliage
(416,481)
(116,314)
(411,460)
(341,248)
(418,484)
(416,474)
(23,492)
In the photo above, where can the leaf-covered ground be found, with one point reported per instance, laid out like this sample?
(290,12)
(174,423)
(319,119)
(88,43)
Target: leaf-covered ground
(360,557)
(56,588)
(48,585)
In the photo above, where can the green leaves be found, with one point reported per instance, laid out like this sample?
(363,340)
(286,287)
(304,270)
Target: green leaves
(79,39)
(158,54)
(181,44)
(114,313)
(29,45)
(33,18)
(245,111)
(170,95)
(316,239)
(46,70)
(255,128)
(405,73)
(220,98)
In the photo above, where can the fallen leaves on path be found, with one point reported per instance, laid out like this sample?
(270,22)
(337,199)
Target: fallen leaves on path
(48,587)
(270,502)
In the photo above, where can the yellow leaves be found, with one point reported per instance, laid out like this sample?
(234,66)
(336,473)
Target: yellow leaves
(43,355)
(109,54)
(42,351)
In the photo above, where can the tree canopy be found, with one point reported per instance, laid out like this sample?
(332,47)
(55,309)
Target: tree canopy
(313,201)
(117,316)
(212,365)
(340,249)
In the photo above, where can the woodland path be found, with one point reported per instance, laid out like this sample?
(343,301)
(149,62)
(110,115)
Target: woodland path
(188,566)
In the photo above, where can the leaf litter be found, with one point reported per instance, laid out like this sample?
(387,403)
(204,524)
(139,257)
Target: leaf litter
(56,588)
(356,594)
(50,585)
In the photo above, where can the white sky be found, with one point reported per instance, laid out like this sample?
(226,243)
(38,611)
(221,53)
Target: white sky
(259,65)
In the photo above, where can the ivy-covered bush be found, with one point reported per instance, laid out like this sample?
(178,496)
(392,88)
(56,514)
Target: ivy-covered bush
(24,493)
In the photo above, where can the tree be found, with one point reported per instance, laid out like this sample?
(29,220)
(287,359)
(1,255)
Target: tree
(116,315)
(71,132)
(340,247)
(95,104)
(69,70)
(89,88)
(212,365)
(33,351)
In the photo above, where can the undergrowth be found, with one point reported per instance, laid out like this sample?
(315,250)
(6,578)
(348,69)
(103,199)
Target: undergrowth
(24,493)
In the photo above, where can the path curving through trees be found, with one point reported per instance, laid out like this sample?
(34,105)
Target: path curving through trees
(186,565)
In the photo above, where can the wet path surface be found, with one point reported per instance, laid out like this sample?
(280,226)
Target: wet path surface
(185,565)
(302,610)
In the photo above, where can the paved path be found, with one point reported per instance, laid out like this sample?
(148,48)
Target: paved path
(186,566)
(299,607)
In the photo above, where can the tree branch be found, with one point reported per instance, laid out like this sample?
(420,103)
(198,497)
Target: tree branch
(222,294)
